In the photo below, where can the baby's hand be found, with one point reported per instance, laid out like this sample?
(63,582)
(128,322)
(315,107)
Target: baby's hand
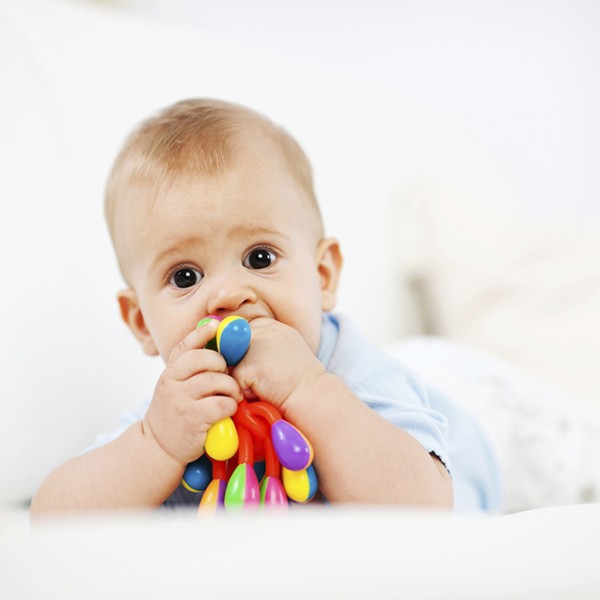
(193,392)
(277,363)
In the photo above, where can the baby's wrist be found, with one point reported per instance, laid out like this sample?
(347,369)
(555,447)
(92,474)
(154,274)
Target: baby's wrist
(154,447)
(306,394)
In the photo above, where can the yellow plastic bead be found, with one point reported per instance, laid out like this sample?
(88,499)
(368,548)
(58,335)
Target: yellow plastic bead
(222,440)
(296,484)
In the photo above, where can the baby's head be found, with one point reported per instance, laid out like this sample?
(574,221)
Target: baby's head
(211,210)
(194,138)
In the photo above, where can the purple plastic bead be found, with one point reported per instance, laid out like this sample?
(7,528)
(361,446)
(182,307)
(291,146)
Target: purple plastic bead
(292,448)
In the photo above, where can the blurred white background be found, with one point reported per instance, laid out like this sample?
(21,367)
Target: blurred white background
(496,100)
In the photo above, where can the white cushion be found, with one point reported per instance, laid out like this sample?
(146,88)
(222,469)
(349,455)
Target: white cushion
(492,276)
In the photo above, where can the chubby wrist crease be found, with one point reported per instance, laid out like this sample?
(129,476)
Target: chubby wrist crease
(149,436)
(304,393)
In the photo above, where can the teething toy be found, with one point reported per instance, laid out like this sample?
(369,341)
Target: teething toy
(237,447)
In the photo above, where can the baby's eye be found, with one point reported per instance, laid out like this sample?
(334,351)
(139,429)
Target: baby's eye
(260,258)
(185,278)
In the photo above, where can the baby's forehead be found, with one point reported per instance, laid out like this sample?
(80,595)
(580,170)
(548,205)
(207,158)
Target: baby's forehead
(252,145)
(265,177)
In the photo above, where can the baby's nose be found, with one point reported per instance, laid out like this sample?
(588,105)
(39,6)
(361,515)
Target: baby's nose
(228,293)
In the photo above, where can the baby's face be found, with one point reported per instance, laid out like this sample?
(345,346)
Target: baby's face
(246,242)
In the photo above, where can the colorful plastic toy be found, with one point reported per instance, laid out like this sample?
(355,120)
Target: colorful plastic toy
(254,459)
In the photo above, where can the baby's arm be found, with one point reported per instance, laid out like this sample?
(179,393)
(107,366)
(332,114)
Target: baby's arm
(143,466)
(360,457)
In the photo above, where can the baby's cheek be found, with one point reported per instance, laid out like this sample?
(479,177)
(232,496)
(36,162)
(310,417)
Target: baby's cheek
(310,330)
(167,343)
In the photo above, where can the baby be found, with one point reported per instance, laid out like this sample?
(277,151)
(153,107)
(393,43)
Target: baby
(212,211)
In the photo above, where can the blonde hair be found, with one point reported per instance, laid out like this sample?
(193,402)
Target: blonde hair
(195,137)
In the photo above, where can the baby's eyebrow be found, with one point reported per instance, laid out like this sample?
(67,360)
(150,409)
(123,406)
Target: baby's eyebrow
(182,245)
(252,230)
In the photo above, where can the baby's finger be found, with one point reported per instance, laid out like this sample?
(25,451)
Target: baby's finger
(194,361)
(215,408)
(210,383)
(194,340)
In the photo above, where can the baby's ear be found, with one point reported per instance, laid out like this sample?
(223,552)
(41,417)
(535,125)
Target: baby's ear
(329,264)
(132,314)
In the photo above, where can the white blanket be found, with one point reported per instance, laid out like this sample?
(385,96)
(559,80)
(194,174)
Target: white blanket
(547,441)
